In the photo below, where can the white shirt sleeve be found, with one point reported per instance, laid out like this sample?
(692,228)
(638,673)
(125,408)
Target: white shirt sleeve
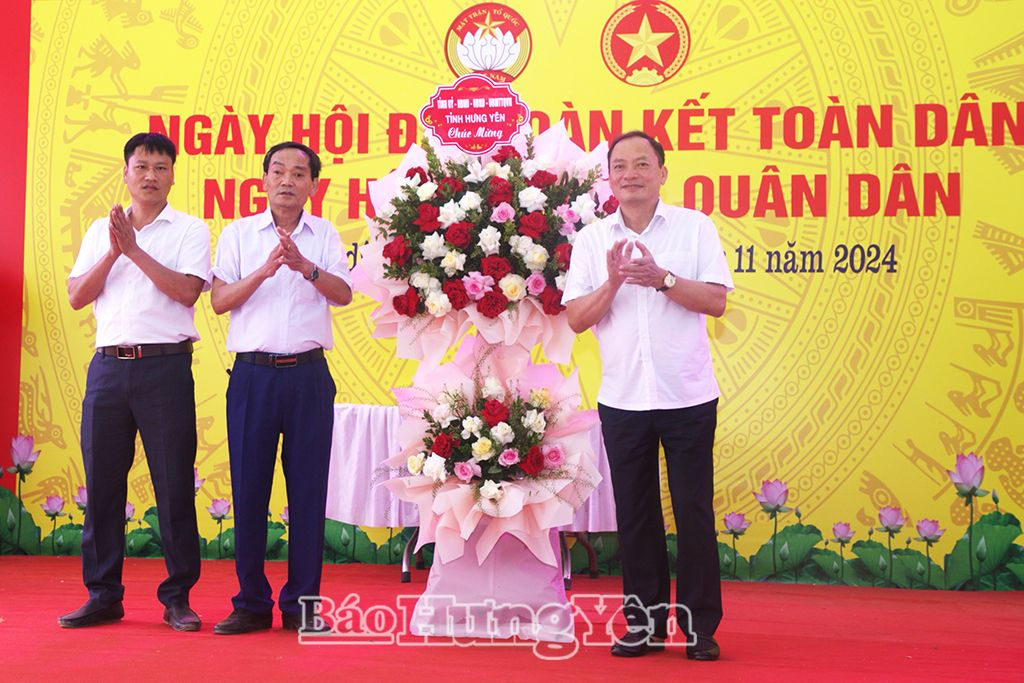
(582,276)
(335,259)
(711,264)
(227,266)
(194,257)
(91,250)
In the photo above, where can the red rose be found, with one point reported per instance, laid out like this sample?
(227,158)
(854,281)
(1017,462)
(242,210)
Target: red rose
(533,463)
(505,153)
(450,186)
(458,234)
(551,300)
(494,412)
(408,303)
(563,255)
(397,251)
(417,172)
(542,180)
(456,291)
(495,266)
(428,218)
(444,443)
(533,225)
(611,205)
(500,191)
(492,304)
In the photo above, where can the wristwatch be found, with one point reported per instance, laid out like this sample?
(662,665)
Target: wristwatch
(668,283)
(313,274)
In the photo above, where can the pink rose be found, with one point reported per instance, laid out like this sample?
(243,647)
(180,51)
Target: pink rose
(508,457)
(735,523)
(928,530)
(502,213)
(841,532)
(970,470)
(219,509)
(773,496)
(53,506)
(466,470)
(891,518)
(554,456)
(535,284)
(477,285)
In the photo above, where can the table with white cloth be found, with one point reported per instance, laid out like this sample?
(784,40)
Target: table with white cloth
(367,435)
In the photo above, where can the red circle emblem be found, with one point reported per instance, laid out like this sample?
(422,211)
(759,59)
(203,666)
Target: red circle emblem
(645,42)
(489,39)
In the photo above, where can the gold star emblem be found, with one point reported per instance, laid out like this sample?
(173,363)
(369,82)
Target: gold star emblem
(489,25)
(645,43)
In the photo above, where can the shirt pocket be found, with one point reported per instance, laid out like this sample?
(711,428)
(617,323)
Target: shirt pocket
(681,263)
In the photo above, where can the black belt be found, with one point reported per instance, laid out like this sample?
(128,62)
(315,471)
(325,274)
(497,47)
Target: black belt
(280,360)
(146,350)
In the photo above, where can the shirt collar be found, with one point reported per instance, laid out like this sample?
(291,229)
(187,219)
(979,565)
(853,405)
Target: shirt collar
(167,215)
(661,210)
(266,221)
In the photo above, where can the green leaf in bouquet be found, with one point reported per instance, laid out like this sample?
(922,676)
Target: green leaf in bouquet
(798,541)
(995,533)
(875,559)
(732,568)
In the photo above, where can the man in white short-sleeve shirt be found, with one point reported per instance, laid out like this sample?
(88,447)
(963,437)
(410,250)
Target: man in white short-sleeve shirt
(278,273)
(643,279)
(142,269)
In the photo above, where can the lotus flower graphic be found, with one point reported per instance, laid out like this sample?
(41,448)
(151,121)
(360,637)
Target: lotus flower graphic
(488,50)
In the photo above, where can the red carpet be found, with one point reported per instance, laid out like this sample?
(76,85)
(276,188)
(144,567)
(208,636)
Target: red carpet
(770,632)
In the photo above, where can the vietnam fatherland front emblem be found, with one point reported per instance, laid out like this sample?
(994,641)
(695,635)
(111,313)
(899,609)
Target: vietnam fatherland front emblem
(645,42)
(490,39)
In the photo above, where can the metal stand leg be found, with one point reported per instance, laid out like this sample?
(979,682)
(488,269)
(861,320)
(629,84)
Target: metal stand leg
(407,554)
(566,561)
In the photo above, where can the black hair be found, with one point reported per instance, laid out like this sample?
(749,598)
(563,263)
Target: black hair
(659,151)
(151,142)
(314,160)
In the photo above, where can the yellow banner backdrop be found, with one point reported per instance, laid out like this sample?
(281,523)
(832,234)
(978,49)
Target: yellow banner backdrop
(862,161)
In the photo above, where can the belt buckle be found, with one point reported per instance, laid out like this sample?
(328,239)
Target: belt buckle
(127,353)
(285,361)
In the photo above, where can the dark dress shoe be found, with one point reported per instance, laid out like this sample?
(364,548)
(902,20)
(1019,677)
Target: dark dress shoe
(295,622)
(637,644)
(704,650)
(243,621)
(93,613)
(181,618)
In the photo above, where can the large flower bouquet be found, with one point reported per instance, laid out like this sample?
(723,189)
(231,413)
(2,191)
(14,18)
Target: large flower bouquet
(460,241)
(491,434)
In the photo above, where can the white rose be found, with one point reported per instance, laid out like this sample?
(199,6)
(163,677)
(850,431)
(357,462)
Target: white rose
(493,388)
(513,286)
(539,163)
(483,449)
(426,191)
(471,426)
(437,304)
(490,240)
(470,201)
(434,468)
(434,285)
(491,490)
(560,281)
(588,217)
(582,204)
(458,157)
(522,245)
(412,181)
(497,170)
(478,173)
(420,280)
(534,421)
(415,463)
(433,246)
(502,433)
(442,413)
(450,213)
(386,211)
(532,199)
(580,169)
(453,262)
(536,258)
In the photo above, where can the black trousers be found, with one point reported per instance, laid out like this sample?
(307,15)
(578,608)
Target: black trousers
(295,407)
(687,435)
(155,398)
